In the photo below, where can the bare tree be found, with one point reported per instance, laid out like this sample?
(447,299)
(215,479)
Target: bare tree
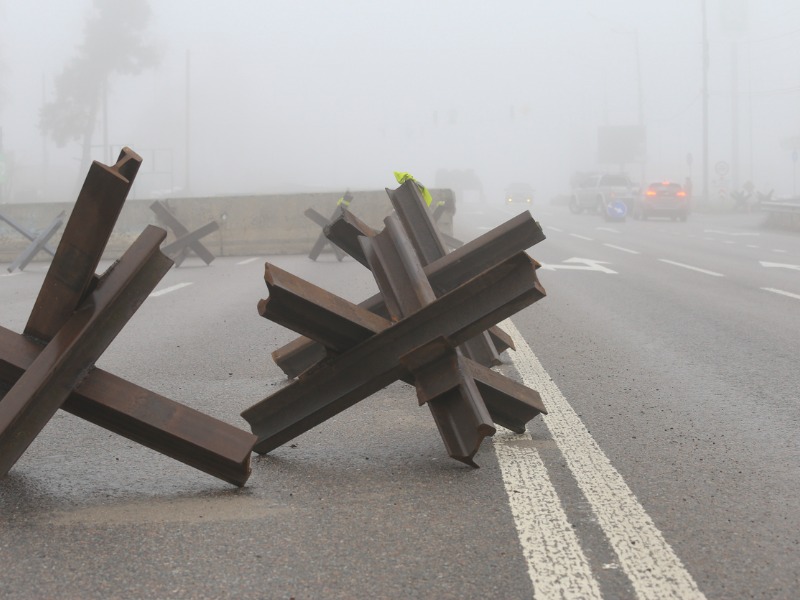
(114,43)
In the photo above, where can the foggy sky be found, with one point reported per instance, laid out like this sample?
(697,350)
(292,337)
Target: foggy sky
(313,95)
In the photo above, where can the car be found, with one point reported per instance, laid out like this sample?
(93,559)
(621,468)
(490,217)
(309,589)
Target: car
(519,194)
(609,194)
(662,199)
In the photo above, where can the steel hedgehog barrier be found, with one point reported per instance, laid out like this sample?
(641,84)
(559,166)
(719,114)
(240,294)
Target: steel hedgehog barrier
(432,310)
(185,240)
(77,314)
(38,241)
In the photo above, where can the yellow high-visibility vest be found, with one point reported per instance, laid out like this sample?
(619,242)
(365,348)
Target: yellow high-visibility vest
(403,177)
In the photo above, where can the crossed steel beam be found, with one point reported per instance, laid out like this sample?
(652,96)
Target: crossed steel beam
(322,241)
(414,334)
(38,242)
(75,317)
(185,240)
(444,274)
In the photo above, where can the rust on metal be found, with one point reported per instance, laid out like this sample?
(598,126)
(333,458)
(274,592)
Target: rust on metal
(185,240)
(40,391)
(147,418)
(341,380)
(445,273)
(438,371)
(86,234)
(76,316)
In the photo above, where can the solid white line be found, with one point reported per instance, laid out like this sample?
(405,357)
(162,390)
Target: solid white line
(621,248)
(582,237)
(655,571)
(782,293)
(169,289)
(247,261)
(557,565)
(699,270)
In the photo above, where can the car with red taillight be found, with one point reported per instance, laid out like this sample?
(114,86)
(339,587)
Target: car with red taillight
(662,199)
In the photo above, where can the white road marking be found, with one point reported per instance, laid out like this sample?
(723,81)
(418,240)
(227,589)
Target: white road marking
(555,228)
(779,251)
(580,264)
(779,265)
(650,563)
(607,229)
(557,565)
(582,237)
(735,233)
(246,261)
(698,269)
(169,289)
(621,248)
(782,293)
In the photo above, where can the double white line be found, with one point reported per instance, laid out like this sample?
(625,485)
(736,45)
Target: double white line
(557,564)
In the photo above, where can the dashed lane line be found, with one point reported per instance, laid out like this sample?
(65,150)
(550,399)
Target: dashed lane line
(628,250)
(691,268)
(247,261)
(582,237)
(653,568)
(782,293)
(555,229)
(169,289)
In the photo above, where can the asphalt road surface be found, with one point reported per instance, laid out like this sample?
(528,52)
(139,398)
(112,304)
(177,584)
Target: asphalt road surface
(668,466)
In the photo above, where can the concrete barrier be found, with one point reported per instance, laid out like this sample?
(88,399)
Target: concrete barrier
(249,225)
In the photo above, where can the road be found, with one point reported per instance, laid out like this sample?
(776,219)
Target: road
(668,467)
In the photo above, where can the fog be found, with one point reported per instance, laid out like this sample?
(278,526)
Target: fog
(323,96)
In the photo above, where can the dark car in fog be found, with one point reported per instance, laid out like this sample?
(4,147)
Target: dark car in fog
(519,194)
(662,199)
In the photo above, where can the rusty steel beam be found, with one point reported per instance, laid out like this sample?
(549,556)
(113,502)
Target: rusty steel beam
(38,243)
(72,272)
(510,403)
(446,273)
(36,396)
(191,242)
(444,383)
(182,433)
(344,232)
(431,246)
(316,313)
(322,241)
(342,380)
(458,409)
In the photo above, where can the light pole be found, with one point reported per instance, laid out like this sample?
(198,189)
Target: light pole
(640,98)
(705,104)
